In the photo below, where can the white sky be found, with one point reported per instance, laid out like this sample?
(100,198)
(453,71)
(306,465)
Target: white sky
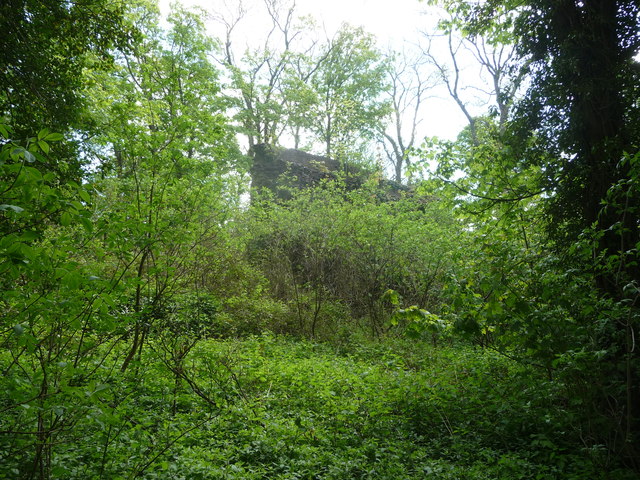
(389,20)
(393,22)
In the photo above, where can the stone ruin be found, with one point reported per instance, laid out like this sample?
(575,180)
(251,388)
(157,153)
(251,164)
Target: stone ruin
(280,170)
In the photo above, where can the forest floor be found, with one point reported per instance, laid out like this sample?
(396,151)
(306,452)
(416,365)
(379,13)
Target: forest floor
(274,408)
(270,407)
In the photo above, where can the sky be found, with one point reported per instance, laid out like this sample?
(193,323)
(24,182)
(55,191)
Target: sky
(389,20)
(394,22)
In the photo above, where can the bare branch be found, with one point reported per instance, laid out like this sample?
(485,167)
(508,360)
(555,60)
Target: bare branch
(410,85)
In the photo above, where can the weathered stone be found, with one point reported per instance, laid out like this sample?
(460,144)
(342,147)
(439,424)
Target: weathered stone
(280,170)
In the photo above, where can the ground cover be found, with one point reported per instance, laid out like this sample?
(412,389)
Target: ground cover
(275,408)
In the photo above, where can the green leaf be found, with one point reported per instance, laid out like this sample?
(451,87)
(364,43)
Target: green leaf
(34,172)
(44,146)
(86,223)
(43,133)
(60,272)
(391,296)
(65,219)
(28,236)
(98,388)
(54,137)
(28,254)
(84,195)
(72,280)
(76,205)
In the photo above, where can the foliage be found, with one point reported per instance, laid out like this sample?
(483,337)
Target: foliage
(325,94)
(170,147)
(327,245)
(145,305)
(54,309)
(45,50)
(43,60)
(268,407)
(567,153)
(86,267)
(348,86)
(409,87)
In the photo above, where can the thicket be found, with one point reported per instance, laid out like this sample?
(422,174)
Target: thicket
(153,325)
(330,253)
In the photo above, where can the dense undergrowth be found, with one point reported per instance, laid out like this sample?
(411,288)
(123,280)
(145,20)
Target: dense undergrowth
(478,322)
(271,407)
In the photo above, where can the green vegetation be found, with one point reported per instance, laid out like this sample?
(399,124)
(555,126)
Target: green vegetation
(479,322)
(268,407)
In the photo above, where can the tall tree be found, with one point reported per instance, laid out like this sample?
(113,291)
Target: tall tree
(257,74)
(298,95)
(48,318)
(491,53)
(410,86)
(483,165)
(582,111)
(169,149)
(584,99)
(44,48)
(349,85)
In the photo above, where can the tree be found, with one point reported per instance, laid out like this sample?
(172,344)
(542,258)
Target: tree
(349,85)
(494,53)
(44,51)
(54,309)
(49,304)
(409,87)
(290,82)
(257,77)
(583,98)
(170,146)
(586,83)
(484,166)
(578,125)
(299,96)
